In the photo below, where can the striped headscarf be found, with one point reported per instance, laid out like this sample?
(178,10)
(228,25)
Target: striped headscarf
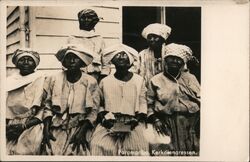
(25,52)
(90,14)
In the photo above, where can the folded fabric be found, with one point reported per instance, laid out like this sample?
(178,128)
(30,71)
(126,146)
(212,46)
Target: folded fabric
(83,52)
(110,52)
(157,29)
(19,53)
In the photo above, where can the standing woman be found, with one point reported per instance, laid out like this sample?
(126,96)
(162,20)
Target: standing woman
(88,19)
(123,107)
(174,100)
(24,96)
(150,61)
(71,103)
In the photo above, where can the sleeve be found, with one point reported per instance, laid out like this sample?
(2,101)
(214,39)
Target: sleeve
(151,97)
(34,95)
(141,66)
(71,39)
(142,99)
(195,85)
(96,96)
(38,91)
(102,102)
(102,46)
(135,67)
(47,98)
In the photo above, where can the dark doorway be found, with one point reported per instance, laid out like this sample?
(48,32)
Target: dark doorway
(186,29)
(184,21)
(134,20)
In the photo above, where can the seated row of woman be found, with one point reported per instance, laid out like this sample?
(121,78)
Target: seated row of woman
(69,113)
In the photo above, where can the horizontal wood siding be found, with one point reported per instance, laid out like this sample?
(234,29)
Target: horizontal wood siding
(54,25)
(13,35)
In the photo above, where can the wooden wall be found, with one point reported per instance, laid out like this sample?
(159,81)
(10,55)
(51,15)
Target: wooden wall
(13,34)
(51,25)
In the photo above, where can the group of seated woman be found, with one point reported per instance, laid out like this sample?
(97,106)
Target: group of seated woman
(150,102)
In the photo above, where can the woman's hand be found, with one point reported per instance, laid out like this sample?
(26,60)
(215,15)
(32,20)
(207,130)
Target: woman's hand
(133,123)
(79,137)
(47,135)
(14,131)
(160,127)
(108,120)
(108,123)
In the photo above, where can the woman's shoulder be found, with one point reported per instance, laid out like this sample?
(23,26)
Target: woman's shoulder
(157,76)
(90,79)
(108,78)
(186,75)
(137,77)
(144,51)
(54,75)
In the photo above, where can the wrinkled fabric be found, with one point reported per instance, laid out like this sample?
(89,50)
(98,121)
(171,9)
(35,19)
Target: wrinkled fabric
(110,52)
(20,99)
(81,50)
(96,43)
(63,130)
(103,144)
(89,13)
(157,29)
(25,95)
(182,51)
(176,102)
(25,52)
(149,66)
(168,96)
(29,143)
(86,94)
(77,102)
(124,98)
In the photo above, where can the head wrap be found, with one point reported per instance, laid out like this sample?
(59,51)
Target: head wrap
(182,51)
(25,52)
(110,52)
(89,13)
(84,53)
(157,29)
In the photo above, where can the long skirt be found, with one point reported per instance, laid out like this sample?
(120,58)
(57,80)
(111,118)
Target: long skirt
(28,143)
(184,133)
(61,146)
(104,144)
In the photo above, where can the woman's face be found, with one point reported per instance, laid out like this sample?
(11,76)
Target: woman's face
(87,23)
(26,64)
(155,41)
(173,65)
(72,62)
(121,60)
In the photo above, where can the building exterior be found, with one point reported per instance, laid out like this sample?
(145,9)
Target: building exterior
(46,29)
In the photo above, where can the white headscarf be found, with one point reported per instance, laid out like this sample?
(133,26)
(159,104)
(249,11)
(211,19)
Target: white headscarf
(182,51)
(84,53)
(110,52)
(157,29)
(25,52)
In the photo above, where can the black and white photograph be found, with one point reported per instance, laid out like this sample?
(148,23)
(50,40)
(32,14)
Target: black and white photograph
(119,80)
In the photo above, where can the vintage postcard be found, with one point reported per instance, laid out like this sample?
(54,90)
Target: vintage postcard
(127,80)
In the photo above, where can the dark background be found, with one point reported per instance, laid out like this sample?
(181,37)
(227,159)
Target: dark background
(184,21)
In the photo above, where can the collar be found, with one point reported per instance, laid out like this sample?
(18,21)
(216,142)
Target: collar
(89,34)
